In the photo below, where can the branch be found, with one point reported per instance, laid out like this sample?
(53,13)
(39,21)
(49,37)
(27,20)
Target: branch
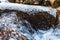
(27,8)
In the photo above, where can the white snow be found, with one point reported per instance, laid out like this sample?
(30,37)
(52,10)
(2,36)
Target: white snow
(12,39)
(4,1)
(27,8)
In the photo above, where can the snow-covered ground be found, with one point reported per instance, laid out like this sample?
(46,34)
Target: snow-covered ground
(7,22)
(27,8)
(4,1)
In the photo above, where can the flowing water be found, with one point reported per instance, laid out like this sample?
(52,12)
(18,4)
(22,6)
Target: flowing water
(10,21)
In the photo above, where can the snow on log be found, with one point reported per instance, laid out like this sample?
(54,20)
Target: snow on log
(27,8)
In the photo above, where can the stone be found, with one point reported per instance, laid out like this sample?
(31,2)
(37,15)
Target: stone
(42,20)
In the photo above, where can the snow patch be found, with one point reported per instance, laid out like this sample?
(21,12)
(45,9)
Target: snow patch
(27,8)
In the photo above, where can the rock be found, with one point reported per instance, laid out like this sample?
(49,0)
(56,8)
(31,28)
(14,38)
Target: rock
(23,15)
(42,20)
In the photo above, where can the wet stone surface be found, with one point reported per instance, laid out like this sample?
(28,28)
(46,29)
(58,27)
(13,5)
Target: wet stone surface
(42,20)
